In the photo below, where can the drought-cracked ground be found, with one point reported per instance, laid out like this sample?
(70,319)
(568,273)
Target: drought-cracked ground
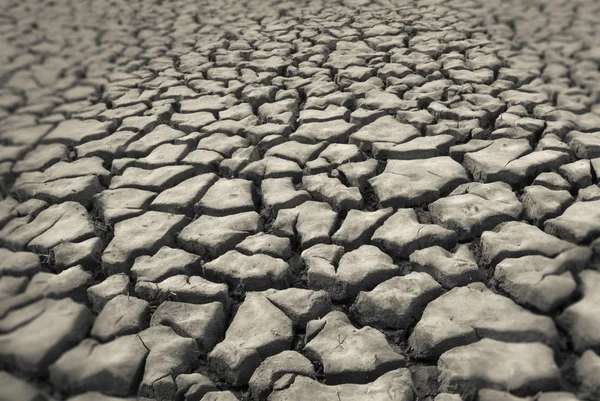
(300,201)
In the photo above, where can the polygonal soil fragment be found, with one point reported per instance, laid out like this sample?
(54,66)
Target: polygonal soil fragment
(274,367)
(71,283)
(539,281)
(580,223)
(357,174)
(190,122)
(552,181)
(78,189)
(413,236)
(337,154)
(473,208)
(62,169)
(74,132)
(75,181)
(300,305)
(578,173)
(541,204)
(271,167)
(159,135)
(31,207)
(108,148)
(237,112)
(280,193)
(169,356)
(240,159)
(32,339)
(359,226)
(587,369)
(523,369)
(182,288)
(339,99)
(268,244)
(213,236)
(418,148)
(165,263)
(193,386)
(67,221)
(407,183)
(28,135)
(203,161)
(396,303)
(331,190)
(228,196)
(296,151)
(332,131)
(120,316)
(310,223)
(140,235)
(581,319)
(591,193)
(204,323)
(355,271)
(384,129)
(210,103)
(18,263)
(114,368)
(349,355)
(101,293)
(532,164)
(115,205)
(258,330)
(489,163)
(392,386)
(447,268)
(182,197)
(230,127)
(465,314)
(584,145)
(259,132)
(224,144)
(155,180)
(139,124)
(41,157)
(515,239)
(164,155)
(249,272)
(67,254)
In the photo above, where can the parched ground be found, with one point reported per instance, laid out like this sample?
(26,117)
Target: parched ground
(300,201)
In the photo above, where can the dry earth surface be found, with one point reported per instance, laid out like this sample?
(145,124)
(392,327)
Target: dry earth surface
(280,200)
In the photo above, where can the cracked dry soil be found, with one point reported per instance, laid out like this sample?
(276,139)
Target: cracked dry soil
(300,201)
